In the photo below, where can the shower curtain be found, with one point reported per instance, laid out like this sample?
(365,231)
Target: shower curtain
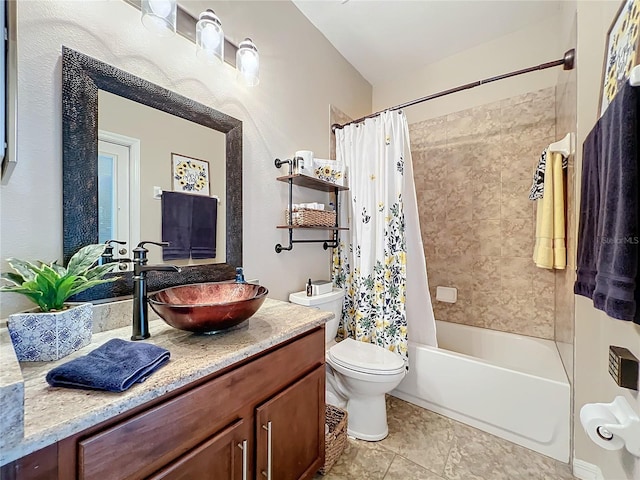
(379,261)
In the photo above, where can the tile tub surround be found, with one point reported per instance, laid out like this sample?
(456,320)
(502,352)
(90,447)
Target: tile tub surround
(51,414)
(423,445)
(473,170)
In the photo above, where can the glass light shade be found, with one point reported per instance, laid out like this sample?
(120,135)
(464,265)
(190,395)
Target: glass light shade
(248,63)
(159,16)
(209,37)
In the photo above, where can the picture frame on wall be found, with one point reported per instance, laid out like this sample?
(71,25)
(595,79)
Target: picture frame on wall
(622,51)
(190,175)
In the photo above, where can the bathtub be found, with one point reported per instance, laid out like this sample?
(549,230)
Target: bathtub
(508,385)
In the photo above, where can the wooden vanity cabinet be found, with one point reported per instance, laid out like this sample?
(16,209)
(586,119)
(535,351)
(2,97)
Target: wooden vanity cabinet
(262,419)
(225,455)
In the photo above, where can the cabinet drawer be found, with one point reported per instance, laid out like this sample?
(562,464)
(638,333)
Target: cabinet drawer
(225,456)
(141,445)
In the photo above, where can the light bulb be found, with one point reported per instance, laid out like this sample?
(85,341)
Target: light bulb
(209,37)
(248,62)
(161,8)
(159,16)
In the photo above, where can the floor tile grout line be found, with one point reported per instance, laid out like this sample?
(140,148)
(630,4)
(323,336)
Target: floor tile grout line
(389,466)
(446,460)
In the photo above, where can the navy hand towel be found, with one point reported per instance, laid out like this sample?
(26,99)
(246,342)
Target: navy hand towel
(177,213)
(114,366)
(203,227)
(588,244)
(609,233)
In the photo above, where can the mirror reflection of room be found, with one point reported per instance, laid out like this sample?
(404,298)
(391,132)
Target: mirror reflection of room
(144,154)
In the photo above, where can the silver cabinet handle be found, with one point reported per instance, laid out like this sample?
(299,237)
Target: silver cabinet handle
(269,451)
(243,447)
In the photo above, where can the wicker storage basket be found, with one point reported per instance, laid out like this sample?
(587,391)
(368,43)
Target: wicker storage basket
(335,440)
(306,217)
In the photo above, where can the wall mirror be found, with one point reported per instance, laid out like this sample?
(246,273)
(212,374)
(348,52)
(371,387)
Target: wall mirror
(86,83)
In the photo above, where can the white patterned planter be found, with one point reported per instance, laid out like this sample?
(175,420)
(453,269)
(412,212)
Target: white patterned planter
(42,337)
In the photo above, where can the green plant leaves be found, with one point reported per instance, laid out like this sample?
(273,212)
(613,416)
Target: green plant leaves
(50,285)
(84,258)
(26,269)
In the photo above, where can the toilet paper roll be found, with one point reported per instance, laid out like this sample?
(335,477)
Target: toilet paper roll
(305,162)
(593,418)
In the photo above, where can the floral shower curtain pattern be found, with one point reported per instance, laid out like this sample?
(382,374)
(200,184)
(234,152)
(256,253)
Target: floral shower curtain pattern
(370,262)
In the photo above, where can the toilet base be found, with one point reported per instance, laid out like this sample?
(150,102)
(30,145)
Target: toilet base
(367,418)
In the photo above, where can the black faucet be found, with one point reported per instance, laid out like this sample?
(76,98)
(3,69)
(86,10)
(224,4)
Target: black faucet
(140,306)
(107,256)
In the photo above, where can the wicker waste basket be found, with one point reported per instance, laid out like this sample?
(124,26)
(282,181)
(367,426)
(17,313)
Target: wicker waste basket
(305,217)
(335,438)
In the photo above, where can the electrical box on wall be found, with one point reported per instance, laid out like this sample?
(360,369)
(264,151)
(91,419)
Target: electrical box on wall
(623,367)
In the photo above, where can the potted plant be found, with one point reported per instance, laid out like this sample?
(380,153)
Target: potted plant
(55,328)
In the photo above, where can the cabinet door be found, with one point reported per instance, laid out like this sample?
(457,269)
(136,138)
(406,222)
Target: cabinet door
(225,456)
(290,431)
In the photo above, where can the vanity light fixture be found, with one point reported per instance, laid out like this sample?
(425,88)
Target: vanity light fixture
(209,37)
(166,17)
(159,16)
(248,63)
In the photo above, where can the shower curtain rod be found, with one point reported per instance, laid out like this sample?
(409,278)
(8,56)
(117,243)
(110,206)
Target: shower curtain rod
(567,63)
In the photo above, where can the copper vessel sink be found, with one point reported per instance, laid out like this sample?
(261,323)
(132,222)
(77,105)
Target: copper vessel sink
(208,307)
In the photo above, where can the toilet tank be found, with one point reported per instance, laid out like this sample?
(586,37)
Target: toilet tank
(328,302)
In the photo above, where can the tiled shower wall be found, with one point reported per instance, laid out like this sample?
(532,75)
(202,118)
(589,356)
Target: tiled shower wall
(473,170)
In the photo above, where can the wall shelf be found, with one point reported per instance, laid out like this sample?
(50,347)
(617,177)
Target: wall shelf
(312,228)
(310,182)
(314,184)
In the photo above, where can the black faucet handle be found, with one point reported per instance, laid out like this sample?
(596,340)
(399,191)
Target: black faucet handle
(119,242)
(159,244)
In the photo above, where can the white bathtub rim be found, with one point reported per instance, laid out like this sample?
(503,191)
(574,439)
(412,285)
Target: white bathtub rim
(471,358)
(549,348)
(561,454)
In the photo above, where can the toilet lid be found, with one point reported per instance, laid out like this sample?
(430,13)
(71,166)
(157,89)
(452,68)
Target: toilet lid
(365,357)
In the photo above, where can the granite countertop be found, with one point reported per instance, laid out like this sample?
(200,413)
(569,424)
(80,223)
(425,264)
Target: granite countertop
(51,414)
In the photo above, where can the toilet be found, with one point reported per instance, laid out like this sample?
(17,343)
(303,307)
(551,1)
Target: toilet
(358,374)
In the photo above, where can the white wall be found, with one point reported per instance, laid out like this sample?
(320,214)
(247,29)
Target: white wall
(595,331)
(524,48)
(301,74)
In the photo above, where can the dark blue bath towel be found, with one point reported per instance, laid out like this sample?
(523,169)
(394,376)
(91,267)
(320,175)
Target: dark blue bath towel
(203,227)
(114,366)
(609,232)
(177,213)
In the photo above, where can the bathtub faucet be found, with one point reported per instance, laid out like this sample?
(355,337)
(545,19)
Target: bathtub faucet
(140,305)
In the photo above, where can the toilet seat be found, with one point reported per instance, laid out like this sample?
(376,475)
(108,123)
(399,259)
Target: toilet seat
(365,358)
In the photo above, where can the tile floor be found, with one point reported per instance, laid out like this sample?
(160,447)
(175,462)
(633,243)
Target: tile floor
(423,445)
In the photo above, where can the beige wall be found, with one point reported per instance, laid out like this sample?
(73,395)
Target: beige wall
(473,171)
(161,134)
(537,44)
(288,111)
(594,331)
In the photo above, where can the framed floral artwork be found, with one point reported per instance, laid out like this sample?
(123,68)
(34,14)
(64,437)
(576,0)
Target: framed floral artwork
(190,175)
(623,51)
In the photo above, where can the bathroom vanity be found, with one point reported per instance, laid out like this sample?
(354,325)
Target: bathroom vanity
(246,404)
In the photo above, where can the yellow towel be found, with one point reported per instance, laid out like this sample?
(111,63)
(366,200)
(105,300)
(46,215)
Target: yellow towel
(550,250)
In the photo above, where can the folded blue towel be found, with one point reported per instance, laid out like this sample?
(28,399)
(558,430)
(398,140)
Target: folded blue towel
(114,366)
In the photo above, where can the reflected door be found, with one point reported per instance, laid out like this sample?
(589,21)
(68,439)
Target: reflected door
(118,202)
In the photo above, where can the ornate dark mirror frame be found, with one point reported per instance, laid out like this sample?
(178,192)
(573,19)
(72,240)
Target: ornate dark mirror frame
(82,77)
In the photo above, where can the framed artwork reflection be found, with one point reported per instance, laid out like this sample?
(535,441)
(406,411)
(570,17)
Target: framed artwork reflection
(623,51)
(190,175)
